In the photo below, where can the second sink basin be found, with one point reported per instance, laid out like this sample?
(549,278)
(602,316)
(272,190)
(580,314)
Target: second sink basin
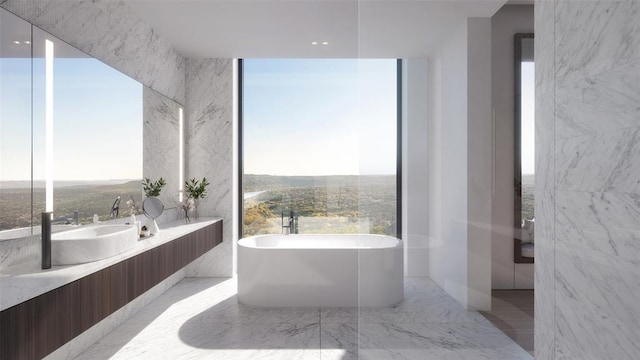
(91,243)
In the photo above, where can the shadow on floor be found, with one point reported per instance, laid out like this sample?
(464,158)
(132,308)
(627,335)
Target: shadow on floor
(153,310)
(232,325)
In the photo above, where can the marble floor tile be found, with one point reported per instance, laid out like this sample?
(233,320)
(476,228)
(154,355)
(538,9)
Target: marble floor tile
(435,313)
(202,318)
(208,340)
(424,302)
(419,341)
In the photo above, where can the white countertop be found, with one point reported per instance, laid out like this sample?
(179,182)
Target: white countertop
(19,284)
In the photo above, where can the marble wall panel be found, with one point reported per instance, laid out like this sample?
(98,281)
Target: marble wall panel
(603,102)
(605,223)
(210,153)
(544,48)
(544,302)
(597,312)
(588,243)
(544,140)
(161,144)
(594,36)
(544,267)
(607,161)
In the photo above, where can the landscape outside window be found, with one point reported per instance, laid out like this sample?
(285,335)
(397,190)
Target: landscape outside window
(319,143)
(527,136)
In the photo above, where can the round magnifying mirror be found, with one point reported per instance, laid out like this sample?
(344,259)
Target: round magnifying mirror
(152,207)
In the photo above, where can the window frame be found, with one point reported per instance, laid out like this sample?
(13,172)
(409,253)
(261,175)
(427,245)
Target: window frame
(240,149)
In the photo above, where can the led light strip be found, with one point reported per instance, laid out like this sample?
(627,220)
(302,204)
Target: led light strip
(48,125)
(180,155)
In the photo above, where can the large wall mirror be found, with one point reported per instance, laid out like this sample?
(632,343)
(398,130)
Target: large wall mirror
(76,134)
(524,148)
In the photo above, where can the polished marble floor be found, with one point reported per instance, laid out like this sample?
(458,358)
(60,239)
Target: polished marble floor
(200,318)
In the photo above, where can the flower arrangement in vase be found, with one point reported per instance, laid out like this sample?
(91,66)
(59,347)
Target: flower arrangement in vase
(196,189)
(187,206)
(153,188)
(134,207)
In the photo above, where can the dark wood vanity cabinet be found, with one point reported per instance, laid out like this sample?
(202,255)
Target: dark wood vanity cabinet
(37,327)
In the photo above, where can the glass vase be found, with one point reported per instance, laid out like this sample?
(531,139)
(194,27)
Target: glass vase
(196,216)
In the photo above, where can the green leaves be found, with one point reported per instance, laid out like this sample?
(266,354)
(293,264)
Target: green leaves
(196,189)
(151,188)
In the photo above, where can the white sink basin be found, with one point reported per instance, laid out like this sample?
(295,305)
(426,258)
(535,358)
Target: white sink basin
(91,243)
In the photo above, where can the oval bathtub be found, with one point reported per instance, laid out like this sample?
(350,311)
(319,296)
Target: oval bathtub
(320,270)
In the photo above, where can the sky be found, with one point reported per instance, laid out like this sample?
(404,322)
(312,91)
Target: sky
(97,120)
(319,116)
(528,130)
(301,117)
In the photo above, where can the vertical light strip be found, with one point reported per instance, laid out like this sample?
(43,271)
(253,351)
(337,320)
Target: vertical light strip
(48,105)
(180,155)
(236,179)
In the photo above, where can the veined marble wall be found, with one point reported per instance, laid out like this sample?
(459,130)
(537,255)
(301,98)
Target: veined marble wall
(109,31)
(587,187)
(209,113)
(161,144)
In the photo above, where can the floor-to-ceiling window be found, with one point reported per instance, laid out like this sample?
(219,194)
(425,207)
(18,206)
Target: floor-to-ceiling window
(527,137)
(319,148)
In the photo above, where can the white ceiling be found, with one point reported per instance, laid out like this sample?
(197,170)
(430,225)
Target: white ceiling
(286,28)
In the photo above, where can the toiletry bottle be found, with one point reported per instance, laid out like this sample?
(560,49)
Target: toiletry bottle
(95,219)
(132,220)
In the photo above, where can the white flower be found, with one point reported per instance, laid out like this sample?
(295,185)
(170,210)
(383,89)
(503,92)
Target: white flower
(188,204)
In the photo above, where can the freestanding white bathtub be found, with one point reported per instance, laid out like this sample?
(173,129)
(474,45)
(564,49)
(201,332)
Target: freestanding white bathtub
(320,270)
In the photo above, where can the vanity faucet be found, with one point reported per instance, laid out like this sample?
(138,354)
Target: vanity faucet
(115,208)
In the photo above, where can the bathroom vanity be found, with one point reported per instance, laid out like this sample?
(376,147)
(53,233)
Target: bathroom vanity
(42,310)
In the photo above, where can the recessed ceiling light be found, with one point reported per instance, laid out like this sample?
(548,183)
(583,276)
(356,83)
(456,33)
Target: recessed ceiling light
(325,43)
(28,42)
(314,43)
(17,42)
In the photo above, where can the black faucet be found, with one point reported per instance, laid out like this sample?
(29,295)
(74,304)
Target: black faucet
(292,224)
(115,208)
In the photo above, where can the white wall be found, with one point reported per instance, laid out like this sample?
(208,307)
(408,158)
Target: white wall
(415,174)
(460,139)
(479,134)
(448,255)
(505,274)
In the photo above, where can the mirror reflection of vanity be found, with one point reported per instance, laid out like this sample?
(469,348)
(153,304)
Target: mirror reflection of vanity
(524,149)
(76,134)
